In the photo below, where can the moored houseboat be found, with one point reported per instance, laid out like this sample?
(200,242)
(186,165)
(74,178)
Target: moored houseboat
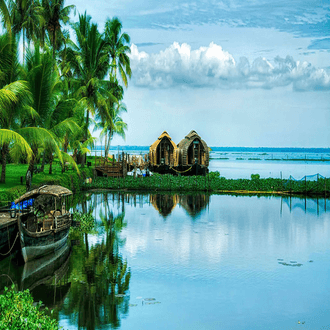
(163,154)
(44,226)
(193,156)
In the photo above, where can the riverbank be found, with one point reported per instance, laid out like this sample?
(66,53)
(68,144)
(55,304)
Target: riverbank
(215,184)
(211,183)
(13,188)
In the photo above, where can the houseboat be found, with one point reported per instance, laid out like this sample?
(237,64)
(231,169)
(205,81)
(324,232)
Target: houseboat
(163,155)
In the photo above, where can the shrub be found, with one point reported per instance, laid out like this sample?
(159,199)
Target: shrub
(17,312)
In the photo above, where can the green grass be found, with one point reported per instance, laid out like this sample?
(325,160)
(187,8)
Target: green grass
(13,187)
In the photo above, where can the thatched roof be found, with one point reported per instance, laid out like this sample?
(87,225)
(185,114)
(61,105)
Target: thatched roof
(53,190)
(184,143)
(154,146)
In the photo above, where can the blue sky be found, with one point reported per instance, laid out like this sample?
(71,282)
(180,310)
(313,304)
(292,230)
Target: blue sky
(240,73)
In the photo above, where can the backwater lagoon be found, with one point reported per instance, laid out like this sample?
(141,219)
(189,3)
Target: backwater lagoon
(169,261)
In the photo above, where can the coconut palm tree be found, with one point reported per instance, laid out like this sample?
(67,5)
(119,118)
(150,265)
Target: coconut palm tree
(26,18)
(52,119)
(89,61)
(118,47)
(115,126)
(55,13)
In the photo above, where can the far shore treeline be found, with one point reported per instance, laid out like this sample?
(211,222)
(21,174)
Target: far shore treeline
(54,87)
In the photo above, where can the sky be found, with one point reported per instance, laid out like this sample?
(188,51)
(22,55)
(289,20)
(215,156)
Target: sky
(252,73)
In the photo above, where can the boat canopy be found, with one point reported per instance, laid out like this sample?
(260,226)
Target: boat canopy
(53,190)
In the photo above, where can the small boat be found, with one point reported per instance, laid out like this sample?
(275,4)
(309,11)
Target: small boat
(44,226)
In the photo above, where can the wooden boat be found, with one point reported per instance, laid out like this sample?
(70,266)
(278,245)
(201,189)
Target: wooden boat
(44,226)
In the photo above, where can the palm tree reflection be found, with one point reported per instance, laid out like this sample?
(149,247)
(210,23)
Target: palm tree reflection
(100,277)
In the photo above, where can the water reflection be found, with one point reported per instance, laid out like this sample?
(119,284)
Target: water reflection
(100,276)
(46,278)
(215,257)
(164,204)
(194,204)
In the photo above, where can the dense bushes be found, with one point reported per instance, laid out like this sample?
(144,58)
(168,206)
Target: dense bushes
(18,312)
(211,182)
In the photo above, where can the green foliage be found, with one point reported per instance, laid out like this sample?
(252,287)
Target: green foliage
(17,312)
(212,183)
(87,222)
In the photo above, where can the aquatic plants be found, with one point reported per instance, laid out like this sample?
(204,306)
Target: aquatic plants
(18,312)
(213,183)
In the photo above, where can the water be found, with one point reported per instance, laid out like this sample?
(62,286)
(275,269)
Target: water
(191,262)
(240,165)
(236,164)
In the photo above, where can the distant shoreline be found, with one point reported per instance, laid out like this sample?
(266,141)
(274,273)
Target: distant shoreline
(234,149)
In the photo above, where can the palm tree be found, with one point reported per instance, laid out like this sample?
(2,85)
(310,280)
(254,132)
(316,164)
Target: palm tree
(89,61)
(14,96)
(26,18)
(51,119)
(5,16)
(118,49)
(9,97)
(115,126)
(54,13)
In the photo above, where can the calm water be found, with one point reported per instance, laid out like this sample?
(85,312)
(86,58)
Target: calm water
(240,165)
(190,262)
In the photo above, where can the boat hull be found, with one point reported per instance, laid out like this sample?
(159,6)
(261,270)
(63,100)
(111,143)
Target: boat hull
(36,245)
(8,232)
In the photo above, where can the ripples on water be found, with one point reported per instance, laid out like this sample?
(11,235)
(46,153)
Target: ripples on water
(194,262)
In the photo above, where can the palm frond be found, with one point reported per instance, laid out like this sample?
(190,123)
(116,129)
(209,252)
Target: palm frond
(67,158)
(17,140)
(41,137)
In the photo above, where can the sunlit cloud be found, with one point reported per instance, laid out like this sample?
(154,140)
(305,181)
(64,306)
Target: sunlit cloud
(212,66)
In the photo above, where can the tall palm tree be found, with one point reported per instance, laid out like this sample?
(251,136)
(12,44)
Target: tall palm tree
(118,47)
(26,18)
(116,126)
(89,60)
(55,13)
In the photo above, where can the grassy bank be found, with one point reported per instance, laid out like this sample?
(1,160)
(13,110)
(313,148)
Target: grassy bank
(213,183)
(13,187)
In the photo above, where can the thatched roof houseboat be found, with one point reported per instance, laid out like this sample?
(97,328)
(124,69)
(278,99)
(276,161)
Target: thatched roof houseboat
(163,151)
(193,150)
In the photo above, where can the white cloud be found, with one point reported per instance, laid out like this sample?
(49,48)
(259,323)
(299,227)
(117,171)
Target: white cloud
(212,66)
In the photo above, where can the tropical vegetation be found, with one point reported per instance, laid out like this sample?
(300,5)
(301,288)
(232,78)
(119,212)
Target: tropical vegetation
(17,311)
(60,86)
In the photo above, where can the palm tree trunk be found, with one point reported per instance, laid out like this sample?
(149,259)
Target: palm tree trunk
(43,161)
(4,153)
(51,158)
(66,144)
(33,160)
(107,146)
(54,43)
